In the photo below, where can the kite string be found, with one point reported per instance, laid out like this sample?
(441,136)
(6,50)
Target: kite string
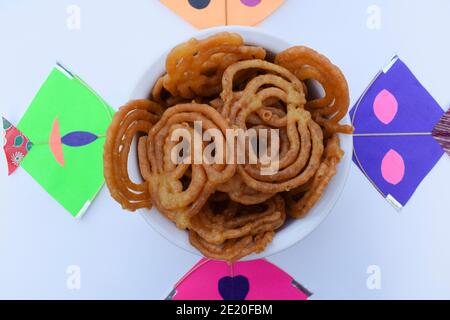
(226,12)
(99,136)
(391,134)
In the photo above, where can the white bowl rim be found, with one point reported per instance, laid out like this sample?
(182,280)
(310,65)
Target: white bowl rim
(299,229)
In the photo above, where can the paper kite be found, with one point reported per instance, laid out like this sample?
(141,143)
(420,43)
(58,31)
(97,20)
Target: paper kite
(211,13)
(59,141)
(400,132)
(242,280)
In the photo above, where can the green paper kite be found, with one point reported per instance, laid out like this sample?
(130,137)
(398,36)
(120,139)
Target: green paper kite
(59,140)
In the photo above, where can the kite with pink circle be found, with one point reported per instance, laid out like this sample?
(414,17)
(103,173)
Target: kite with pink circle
(400,132)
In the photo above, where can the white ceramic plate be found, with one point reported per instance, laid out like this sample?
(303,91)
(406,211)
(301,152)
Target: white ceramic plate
(294,230)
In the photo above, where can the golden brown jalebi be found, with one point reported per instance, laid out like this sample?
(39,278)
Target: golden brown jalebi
(300,201)
(297,165)
(307,64)
(135,117)
(144,163)
(191,167)
(167,191)
(241,193)
(233,249)
(235,221)
(305,137)
(166,100)
(284,80)
(195,68)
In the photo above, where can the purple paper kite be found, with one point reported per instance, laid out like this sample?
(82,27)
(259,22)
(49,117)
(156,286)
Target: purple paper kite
(393,142)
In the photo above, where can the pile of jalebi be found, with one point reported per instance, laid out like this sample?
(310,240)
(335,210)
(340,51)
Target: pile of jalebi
(230,208)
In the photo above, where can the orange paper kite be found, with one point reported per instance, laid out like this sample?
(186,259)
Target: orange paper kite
(211,13)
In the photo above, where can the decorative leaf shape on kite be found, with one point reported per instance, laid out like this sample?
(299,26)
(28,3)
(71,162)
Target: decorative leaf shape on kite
(71,139)
(385,106)
(78,138)
(393,167)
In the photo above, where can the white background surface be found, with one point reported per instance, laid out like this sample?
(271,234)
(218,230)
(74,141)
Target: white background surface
(122,257)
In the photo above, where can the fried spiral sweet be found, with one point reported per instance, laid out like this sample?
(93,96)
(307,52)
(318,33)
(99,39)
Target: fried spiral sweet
(176,201)
(301,200)
(191,167)
(304,136)
(241,193)
(195,68)
(136,117)
(233,249)
(307,64)
(293,88)
(235,221)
